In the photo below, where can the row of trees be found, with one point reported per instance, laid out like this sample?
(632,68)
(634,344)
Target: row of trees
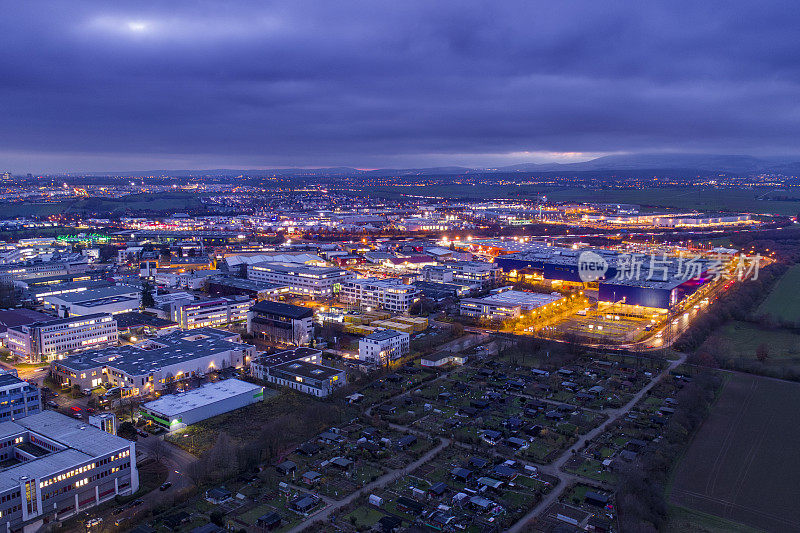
(229,457)
(736,304)
(640,488)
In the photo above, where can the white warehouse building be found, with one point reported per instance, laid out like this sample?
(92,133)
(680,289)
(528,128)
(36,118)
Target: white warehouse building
(176,411)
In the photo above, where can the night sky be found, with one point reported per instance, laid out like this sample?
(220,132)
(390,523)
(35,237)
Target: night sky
(99,85)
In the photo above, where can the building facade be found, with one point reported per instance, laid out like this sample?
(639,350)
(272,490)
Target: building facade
(312,282)
(65,467)
(176,411)
(281,323)
(54,339)
(18,398)
(383,346)
(390,294)
(211,312)
(153,365)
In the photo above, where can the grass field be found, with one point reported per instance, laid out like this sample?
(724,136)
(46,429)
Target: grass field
(166,202)
(741,339)
(682,520)
(681,197)
(741,466)
(782,302)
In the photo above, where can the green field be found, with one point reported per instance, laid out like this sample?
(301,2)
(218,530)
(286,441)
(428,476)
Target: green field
(680,197)
(682,519)
(740,466)
(782,302)
(741,339)
(166,202)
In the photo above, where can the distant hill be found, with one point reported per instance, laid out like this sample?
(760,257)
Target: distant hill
(737,164)
(734,164)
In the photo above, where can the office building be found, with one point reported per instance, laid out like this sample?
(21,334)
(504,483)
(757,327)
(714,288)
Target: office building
(281,323)
(475,273)
(55,338)
(57,265)
(255,290)
(18,317)
(63,466)
(111,300)
(18,398)
(148,366)
(176,411)
(312,282)
(259,365)
(211,312)
(309,378)
(389,294)
(383,346)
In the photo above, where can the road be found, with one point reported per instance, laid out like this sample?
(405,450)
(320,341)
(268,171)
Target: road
(555,467)
(389,477)
(177,459)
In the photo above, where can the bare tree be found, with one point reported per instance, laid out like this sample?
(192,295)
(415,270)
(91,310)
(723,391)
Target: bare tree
(158,451)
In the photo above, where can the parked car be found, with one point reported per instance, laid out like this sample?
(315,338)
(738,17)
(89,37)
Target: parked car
(94,522)
(165,486)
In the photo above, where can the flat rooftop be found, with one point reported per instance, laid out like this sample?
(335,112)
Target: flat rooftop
(307,370)
(285,356)
(171,405)
(85,297)
(137,320)
(297,269)
(526,300)
(81,443)
(282,309)
(246,284)
(383,334)
(153,354)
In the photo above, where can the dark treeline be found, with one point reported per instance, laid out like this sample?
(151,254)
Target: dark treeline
(641,499)
(736,304)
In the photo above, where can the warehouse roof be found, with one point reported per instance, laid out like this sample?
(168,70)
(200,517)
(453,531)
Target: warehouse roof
(154,354)
(174,404)
(102,293)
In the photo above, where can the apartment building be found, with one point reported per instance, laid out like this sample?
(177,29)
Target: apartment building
(383,346)
(62,466)
(211,312)
(389,294)
(313,282)
(56,338)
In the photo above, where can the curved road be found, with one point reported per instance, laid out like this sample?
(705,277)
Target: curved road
(613,415)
